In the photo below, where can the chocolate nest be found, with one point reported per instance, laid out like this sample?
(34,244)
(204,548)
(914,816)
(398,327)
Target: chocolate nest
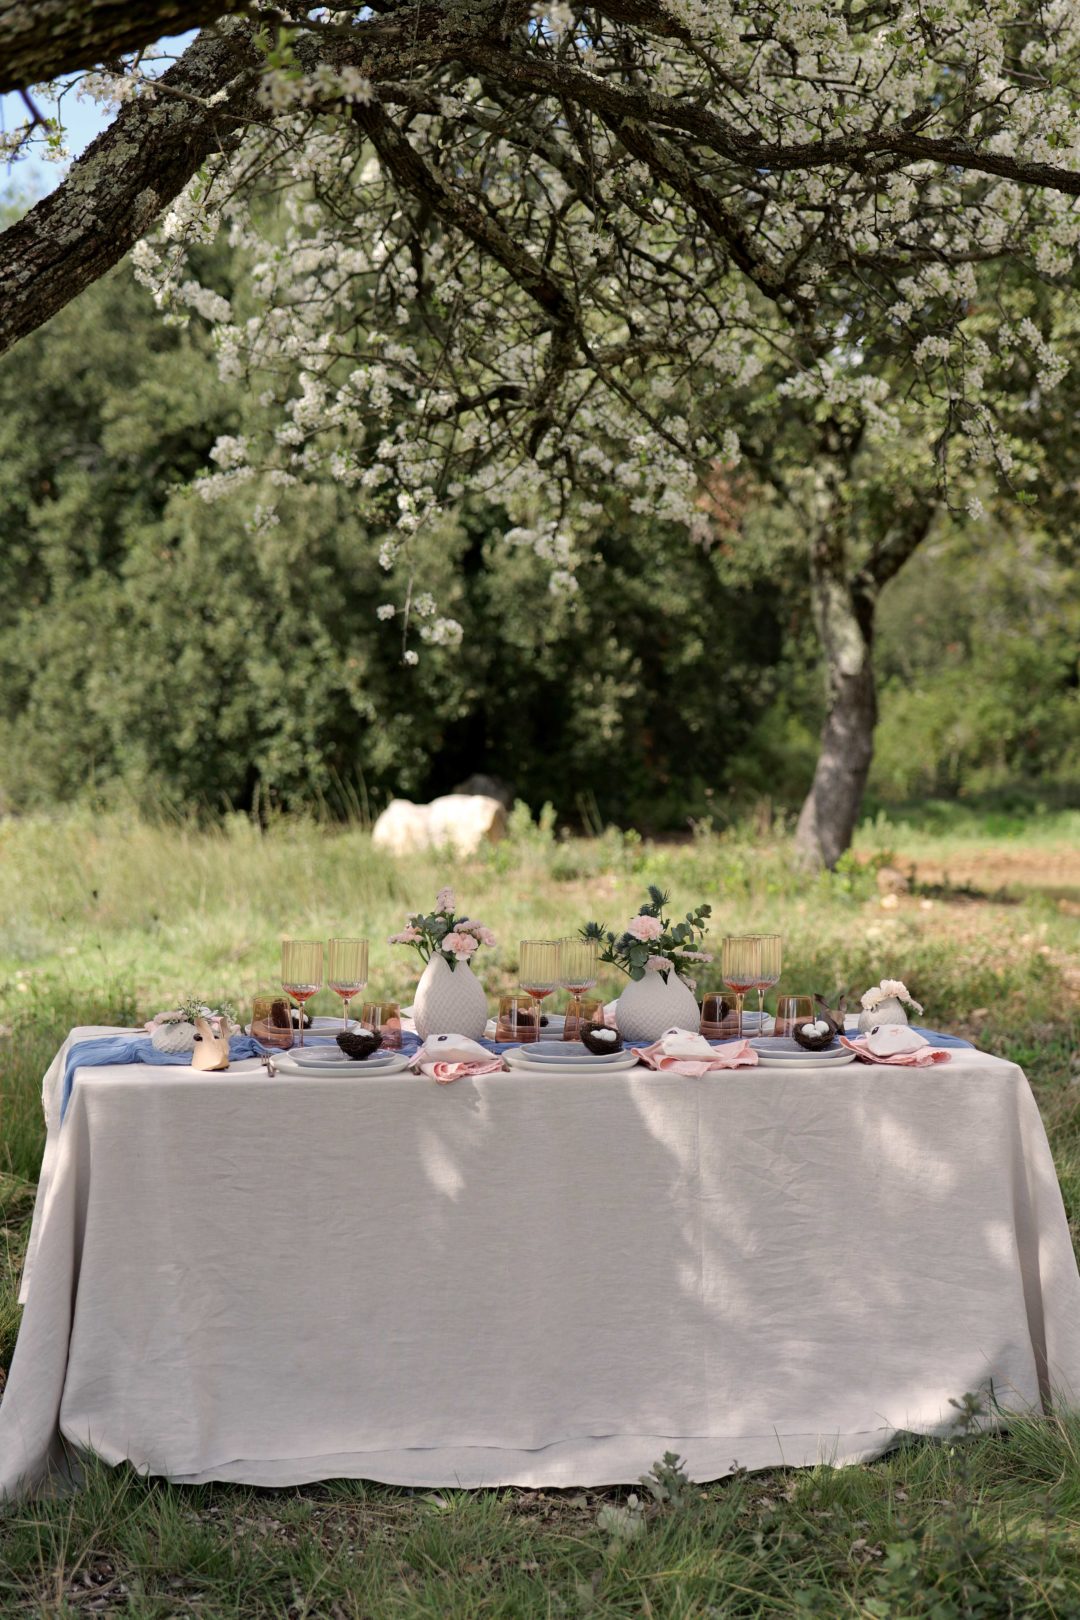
(359,1044)
(810,1039)
(588,1034)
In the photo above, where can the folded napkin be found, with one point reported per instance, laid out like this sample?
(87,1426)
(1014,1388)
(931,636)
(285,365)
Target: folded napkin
(895,1044)
(102,1050)
(683,1052)
(448,1057)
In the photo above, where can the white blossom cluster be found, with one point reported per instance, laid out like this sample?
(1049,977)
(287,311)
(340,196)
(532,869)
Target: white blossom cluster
(409,352)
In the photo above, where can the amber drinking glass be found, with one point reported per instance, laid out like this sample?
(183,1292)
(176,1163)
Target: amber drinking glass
(582,1014)
(384,1017)
(718,1021)
(271,1020)
(791,1011)
(519,1018)
(301,972)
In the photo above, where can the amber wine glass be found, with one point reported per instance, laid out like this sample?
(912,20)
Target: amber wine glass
(740,960)
(347,973)
(539,970)
(301,972)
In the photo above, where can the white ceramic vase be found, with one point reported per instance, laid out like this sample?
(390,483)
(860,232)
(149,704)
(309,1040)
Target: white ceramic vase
(649,1006)
(174,1038)
(449,1001)
(889,1011)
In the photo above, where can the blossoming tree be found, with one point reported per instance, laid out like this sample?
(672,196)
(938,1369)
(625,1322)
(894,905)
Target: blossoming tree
(542,251)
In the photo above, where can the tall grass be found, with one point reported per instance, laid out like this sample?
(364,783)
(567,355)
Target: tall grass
(104,919)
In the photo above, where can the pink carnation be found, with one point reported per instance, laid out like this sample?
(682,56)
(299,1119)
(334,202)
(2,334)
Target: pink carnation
(645,928)
(659,964)
(444,901)
(408,936)
(471,926)
(460,945)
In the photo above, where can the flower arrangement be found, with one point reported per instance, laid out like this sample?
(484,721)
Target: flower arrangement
(887,990)
(443,933)
(194,1007)
(652,943)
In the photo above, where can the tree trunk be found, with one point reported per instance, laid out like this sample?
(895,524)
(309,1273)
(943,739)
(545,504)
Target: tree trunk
(844,604)
(831,809)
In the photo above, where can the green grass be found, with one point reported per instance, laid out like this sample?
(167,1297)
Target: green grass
(108,919)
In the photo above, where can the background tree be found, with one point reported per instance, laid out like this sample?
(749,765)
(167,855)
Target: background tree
(554,255)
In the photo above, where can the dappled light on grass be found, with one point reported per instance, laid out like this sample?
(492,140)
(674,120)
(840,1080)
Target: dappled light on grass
(105,919)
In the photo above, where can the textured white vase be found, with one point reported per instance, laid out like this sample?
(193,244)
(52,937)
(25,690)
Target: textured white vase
(174,1038)
(889,1011)
(449,1001)
(649,1006)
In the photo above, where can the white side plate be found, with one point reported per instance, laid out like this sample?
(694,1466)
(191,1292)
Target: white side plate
(587,1064)
(809,1060)
(322,1065)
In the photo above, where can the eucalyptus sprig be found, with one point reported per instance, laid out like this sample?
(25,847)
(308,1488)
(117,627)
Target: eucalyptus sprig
(652,943)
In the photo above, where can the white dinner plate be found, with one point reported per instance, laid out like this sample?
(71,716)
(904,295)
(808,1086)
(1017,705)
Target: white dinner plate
(585,1064)
(559,1052)
(808,1060)
(330,1061)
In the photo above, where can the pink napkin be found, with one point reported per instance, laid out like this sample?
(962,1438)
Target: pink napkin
(444,1072)
(691,1058)
(921,1058)
(448,1057)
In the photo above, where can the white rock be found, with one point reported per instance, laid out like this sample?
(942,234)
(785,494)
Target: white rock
(402,829)
(465,821)
(462,822)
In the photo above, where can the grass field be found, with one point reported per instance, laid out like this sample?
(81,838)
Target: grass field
(106,918)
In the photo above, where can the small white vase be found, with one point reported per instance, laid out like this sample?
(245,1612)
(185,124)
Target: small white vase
(649,1006)
(889,1011)
(174,1038)
(449,1001)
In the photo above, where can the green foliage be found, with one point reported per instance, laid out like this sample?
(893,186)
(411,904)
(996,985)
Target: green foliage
(194,655)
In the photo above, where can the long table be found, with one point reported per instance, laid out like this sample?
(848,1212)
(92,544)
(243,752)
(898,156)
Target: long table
(533,1279)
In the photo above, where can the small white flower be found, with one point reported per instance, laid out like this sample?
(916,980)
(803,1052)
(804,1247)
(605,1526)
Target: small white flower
(410,657)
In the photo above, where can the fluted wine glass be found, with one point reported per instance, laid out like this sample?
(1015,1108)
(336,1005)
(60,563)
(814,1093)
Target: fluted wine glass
(770,956)
(578,959)
(539,970)
(347,970)
(741,956)
(301,972)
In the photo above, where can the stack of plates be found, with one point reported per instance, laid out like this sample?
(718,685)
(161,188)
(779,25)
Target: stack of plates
(782,1051)
(326,1060)
(566,1056)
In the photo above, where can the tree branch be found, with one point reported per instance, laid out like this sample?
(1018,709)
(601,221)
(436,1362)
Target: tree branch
(617,103)
(41,38)
(453,205)
(124,180)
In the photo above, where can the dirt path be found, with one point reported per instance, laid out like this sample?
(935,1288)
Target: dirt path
(1051,870)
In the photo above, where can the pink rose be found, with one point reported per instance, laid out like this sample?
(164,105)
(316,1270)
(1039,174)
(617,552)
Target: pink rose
(645,928)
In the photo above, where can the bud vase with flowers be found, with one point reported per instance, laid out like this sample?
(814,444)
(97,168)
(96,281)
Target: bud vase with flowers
(660,958)
(449,998)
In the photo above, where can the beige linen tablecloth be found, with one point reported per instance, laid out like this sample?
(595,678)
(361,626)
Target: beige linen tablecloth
(534,1279)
